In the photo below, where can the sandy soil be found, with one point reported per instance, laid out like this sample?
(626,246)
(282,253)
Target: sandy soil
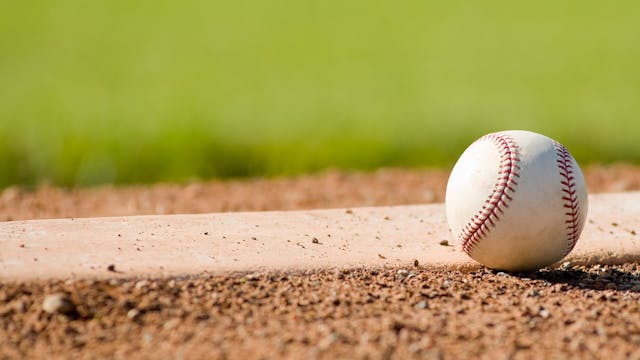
(417,312)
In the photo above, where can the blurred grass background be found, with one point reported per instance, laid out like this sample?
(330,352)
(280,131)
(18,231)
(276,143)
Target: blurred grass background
(141,91)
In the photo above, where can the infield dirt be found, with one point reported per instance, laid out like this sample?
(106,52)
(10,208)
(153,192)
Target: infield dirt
(330,189)
(409,312)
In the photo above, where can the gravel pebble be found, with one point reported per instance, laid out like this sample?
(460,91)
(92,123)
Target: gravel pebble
(58,304)
(133,314)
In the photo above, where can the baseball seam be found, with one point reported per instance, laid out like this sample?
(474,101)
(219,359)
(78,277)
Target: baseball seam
(481,223)
(569,196)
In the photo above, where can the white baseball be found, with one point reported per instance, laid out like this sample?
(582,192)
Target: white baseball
(516,201)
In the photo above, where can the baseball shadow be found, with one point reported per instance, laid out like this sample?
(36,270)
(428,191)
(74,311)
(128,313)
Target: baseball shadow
(610,279)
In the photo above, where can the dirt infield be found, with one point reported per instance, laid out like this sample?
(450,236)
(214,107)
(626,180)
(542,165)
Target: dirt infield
(331,189)
(386,312)
(358,313)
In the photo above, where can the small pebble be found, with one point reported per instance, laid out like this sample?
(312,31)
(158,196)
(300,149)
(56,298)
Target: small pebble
(141,284)
(252,277)
(421,305)
(58,304)
(133,314)
(20,307)
(444,242)
(544,313)
(171,324)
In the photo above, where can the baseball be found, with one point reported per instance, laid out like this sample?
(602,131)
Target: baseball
(516,201)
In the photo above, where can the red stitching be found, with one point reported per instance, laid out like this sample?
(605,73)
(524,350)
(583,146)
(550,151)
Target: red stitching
(570,197)
(480,224)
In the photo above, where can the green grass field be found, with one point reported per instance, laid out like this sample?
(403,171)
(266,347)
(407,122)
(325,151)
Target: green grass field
(142,91)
